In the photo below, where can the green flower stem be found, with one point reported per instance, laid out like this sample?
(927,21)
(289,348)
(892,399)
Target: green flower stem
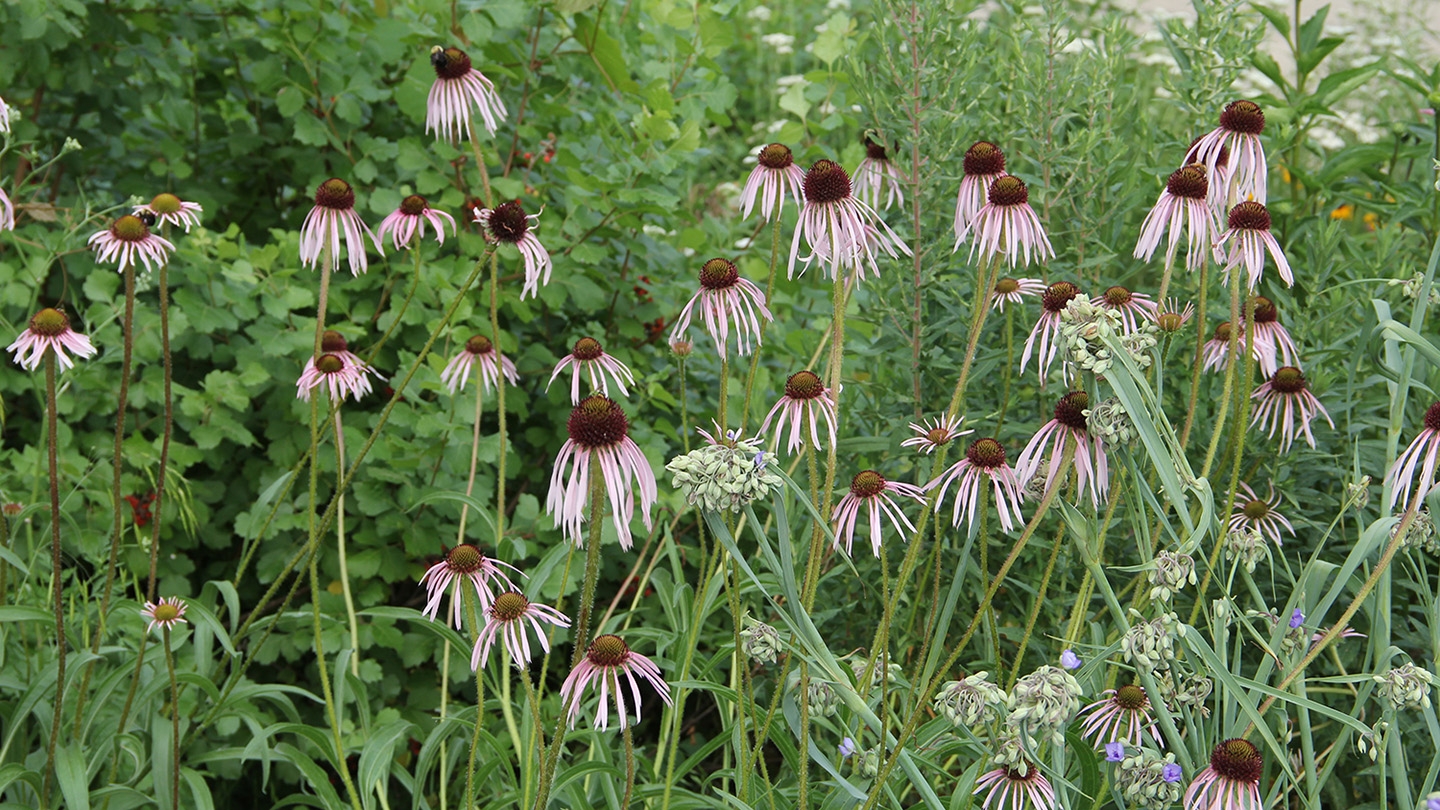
(1035,609)
(123,398)
(323,300)
(51,434)
(684,414)
(474,453)
(331,713)
(175,720)
(629,764)
(984,289)
(404,305)
(1006,371)
(724,395)
(803,697)
(444,704)
(340,545)
(484,177)
(1199,363)
(1229,388)
(839,300)
(739,672)
(913,721)
(499,389)
(670,731)
(469,597)
(817,532)
(157,510)
(769,294)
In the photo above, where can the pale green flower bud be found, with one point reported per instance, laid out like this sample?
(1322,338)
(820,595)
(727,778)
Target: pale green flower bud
(1150,645)
(1405,687)
(760,642)
(1111,423)
(1246,545)
(1148,781)
(868,763)
(971,702)
(1044,702)
(1171,573)
(724,475)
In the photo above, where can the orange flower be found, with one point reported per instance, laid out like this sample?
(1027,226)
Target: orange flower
(1343,211)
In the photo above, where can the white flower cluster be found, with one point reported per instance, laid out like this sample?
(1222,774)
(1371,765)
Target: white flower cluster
(726,475)
(971,702)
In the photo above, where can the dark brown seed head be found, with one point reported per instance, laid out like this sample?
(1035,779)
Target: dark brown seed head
(1244,117)
(333,341)
(1009,190)
(1255,509)
(867,484)
(464,559)
(414,205)
(509,606)
(597,422)
(1222,332)
(608,651)
(1057,295)
(1118,296)
(984,158)
(449,63)
(804,385)
(130,228)
(335,194)
(479,344)
(938,436)
(986,453)
(826,182)
(719,274)
(1265,310)
(776,156)
(1249,216)
(329,364)
(1288,380)
(1188,182)
(49,323)
(875,151)
(1070,410)
(1432,414)
(1130,697)
(587,348)
(1006,285)
(508,223)
(1237,760)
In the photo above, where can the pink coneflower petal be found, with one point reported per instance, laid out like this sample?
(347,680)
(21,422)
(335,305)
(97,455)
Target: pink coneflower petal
(606,660)
(935,433)
(588,356)
(509,224)
(463,564)
(505,619)
(1015,291)
(807,401)
(1009,789)
(1183,210)
(1047,329)
(725,299)
(878,178)
(341,378)
(332,217)
(833,223)
(129,240)
(1069,425)
(871,492)
(1007,226)
(1131,306)
(1249,239)
(984,162)
(408,221)
(459,87)
(1230,782)
(166,613)
(1421,456)
(167,209)
(1122,715)
(478,352)
(598,434)
(1236,145)
(49,329)
(1286,404)
(985,458)
(1249,511)
(774,175)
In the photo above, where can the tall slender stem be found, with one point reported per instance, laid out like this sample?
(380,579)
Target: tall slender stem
(769,294)
(469,598)
(1229,388)
(984,289)
(175,722)
(323,301)
(340,545)
(1198,365)
(51,434)
(499,396)
(629,765)
(123,398)
(158,507)
(474,454)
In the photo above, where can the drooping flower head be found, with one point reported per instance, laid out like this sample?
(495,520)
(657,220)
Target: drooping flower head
(984,162)
(985,458)
(334,216)
(935,433)
(1068,425)
(127,240)
(606,659)
(877,177)
(833,224)
(332,342)
(1016,787)
(1129,304)
(1047,328)
(599,444)
(7,212)
(1284,401)
(1249,238)
(459,86)
(1216,350)
(1238,134)
(463,564)
(1122,715)
(871,491)
(1014,291)
(1422,454)
(1183,210)
(589,356)
(340,378)
(508,223)
(775,173)
(406,222)
(49,329)
(1007,226)
(726,300)
(807,401)
(1231,781)
(1170,318)
(167,209)
(4,117)
(478,352)
(166,613)
(505,619)
(1273,344)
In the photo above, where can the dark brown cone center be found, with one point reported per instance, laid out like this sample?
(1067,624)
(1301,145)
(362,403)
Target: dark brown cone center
(867,484)
(984,158)
(479,344)
(1170,322)
(938,436)
(776,156)
(608,651)
(986,453)
(1070,410)
(1237,760)
(336,194)
(1249,216)
(1118,296)
(719,274)
(1057,295)
(1255,509)
(1188,182)
(49,323)
(826,182)
(329,364)
(1432,417)
(414,205)
(1222,332)
(449,63)
(1265,310)
(1244,117)
(165,204)
(1130,697)
(1009,190)
(1288,380)
(804,385)
(587,348)
(332,341)
(508,223)
(509,606)
(875,151)
(597,422)
(1006,286)
(130,228)
(465,559)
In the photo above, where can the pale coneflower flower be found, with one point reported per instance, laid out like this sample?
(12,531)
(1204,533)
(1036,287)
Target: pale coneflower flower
(806,401)
(333,216)
(1283,399)
(478,352)
(1007,225)
(1216,350)
(340,378)
(589,356)
(1273,344)
(935,433)
(878,177)
(832,223)
(167,209)
(599,444)
(1422,454)
(7,212)
(49,329)
(606,659)
(166,613)
(4,117)
(457,88)
(1183,209)
(1091,465)
(1231,781)
(774,175)
(406,222)
(1170,318)
(332,342)
(1250,512)
(505,619)
(128,239)
(869,490)
(1249,238)
(984,162)
(725,299)
(1239,133)
(1014,291)
(1016,788)
(509,223)
(1128,304)
(1053,302)
(463,564)
(985,458)
(1122,715)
